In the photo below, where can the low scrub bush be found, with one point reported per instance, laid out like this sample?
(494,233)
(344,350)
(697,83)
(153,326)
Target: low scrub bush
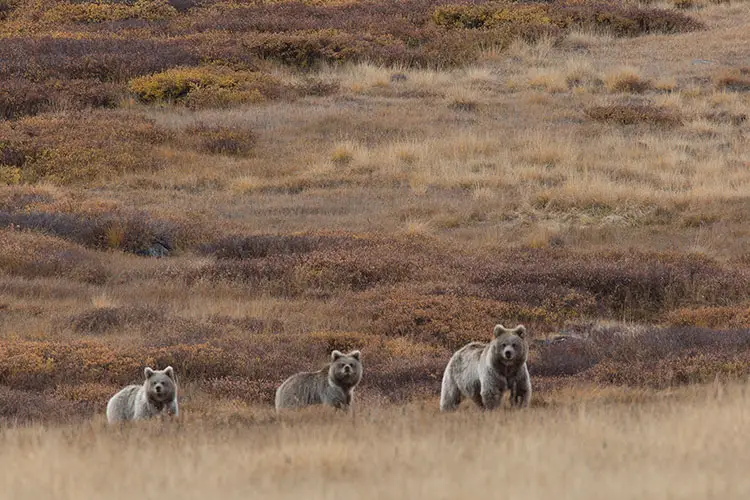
(613,17)
(34,255)
(621,19)
(58,153)
(635,285)
(647,357)
(104,59)
(101,320)
(711,317)
(134,232)
(266,245)
(232,141)
(20,97)
(632,114)
(206,86)
(96,11)
(491,15)
(28,407)
(737,80)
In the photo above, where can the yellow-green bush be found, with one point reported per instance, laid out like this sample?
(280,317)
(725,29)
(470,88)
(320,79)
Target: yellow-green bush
(206,86)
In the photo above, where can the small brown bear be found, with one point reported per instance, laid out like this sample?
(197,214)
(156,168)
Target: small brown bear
(484,371)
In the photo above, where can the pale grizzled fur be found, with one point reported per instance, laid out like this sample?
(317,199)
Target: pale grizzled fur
(483,372)
(333,385)
(157,395)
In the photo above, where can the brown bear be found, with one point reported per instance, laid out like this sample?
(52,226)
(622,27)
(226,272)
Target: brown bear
(333,385)
(484,371)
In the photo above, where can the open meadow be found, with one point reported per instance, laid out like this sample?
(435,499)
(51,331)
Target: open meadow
(236,188)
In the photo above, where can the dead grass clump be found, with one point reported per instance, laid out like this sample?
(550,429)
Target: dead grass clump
(737,80)
(632,114)
(626,80)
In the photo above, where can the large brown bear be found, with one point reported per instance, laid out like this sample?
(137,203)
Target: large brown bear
(484,371)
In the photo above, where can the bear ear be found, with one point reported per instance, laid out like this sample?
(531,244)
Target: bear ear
(169,371)
(148,372)
(521,331)
(499,330)
(354,354)
(336,355)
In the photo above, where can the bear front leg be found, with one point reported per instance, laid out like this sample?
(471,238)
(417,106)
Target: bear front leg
(172,409)
(492,396)
(492,393)
(520,394)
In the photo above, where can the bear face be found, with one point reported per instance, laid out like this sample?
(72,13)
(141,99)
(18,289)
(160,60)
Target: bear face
(509,346)
(346,369)
(161,386)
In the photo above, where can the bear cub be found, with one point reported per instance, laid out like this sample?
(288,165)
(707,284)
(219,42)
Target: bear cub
(333,385)
(483,372)
(157,395)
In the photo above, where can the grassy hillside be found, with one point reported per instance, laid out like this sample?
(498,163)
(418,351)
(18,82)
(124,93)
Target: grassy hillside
(391,176)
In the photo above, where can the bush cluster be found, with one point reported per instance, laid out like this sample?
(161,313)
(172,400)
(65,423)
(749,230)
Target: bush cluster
(206,86)
(617,18)
(48,149)
(631,114)
(99,11)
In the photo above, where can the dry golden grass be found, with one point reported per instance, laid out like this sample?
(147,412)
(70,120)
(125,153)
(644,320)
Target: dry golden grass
(687,444)
(401,209)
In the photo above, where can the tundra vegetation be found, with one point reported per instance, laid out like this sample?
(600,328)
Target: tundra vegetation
(392,176)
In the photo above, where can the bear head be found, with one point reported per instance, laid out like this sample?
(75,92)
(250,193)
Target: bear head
(161,385)
(346,369)
(509,347)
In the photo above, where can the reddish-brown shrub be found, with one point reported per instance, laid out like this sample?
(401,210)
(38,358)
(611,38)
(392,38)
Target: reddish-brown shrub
(101,320)
(232,141)
(633,284)
(630,114)
(711,317)
(25,407)
(265,245)
(737,80)
(33,255)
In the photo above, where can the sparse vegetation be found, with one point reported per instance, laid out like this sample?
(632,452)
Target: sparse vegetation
(237,188)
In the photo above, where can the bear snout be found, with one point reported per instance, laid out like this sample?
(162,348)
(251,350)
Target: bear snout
(347,369)
(508,353)
(158,389)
